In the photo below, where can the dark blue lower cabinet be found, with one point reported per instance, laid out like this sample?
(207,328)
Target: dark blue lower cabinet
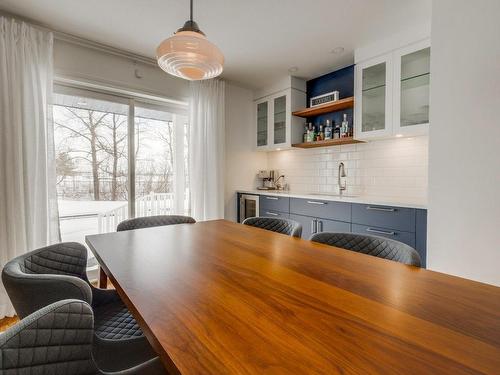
(272,203)
(407,225)
(312,225)
(401,236)
(273,213)
(333,226)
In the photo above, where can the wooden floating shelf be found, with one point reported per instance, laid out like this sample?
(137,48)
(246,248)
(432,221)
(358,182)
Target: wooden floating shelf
(328,142)
(326,108)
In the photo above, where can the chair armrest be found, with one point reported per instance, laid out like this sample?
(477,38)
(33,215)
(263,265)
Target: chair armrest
(103,296)
(31,292)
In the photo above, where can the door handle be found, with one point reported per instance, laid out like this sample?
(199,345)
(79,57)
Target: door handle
(272,214)
(272,198)
(319,226)
(315,202)
(387,233)
(313,226)
(381,209)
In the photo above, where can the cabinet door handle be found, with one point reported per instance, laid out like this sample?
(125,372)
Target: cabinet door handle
(386,232)
(320,226)
(315,202)
(272,213)
(313,226)
(272,198)
(381,209)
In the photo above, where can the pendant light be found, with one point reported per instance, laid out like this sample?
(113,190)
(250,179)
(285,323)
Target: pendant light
(189,55)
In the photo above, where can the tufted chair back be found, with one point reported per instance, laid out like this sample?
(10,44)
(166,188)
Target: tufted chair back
(54,340)
(58,339)
(284,226)
(372,245)
(154,221)
(41,277)
(68,258)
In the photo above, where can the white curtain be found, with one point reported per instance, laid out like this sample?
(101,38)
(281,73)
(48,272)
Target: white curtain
(206,149)
(28,202)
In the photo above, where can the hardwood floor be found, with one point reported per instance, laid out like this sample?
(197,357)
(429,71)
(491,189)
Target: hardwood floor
(7,322)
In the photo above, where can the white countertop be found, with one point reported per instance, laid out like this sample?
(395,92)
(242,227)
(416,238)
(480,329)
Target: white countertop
(336,198)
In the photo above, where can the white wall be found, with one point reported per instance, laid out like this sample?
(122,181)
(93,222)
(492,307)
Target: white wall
(242,162)
(89,65)
(464,149)
(392,169)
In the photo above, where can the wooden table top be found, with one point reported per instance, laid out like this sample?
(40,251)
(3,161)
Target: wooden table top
(218,297)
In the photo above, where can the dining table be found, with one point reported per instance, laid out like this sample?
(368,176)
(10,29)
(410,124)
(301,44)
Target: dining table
(219,297)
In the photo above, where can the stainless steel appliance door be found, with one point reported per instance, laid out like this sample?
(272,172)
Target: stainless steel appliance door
(249,206)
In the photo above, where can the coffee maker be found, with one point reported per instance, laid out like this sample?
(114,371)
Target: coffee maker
(269,179)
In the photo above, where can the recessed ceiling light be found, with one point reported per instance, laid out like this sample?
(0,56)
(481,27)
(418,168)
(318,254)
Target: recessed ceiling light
(338,50)
(293,69)
(399,135)
(82,103)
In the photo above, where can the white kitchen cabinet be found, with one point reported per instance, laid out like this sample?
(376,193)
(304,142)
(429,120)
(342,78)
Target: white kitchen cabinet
(411,89)
(373,98)
(392,93)
(275,126)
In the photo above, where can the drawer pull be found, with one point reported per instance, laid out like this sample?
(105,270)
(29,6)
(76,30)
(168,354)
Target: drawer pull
(387,233)
(272,213)
(380,209)
(272,198)
(315,202)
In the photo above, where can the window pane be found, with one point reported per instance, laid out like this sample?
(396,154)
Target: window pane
(160,165)
(91,164)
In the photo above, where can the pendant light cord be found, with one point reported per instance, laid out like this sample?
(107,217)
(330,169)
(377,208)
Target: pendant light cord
(191,10)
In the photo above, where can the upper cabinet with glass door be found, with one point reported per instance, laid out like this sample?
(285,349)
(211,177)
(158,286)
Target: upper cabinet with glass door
(392,93)
(275,126)
(262,124)
(412,87)
(373,102)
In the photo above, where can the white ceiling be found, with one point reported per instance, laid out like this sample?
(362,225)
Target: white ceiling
(261,39)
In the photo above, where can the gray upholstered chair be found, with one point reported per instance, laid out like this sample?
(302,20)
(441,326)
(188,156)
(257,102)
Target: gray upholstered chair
(372,245)
(154,221)
(284,226)
(57,272)
(57,339)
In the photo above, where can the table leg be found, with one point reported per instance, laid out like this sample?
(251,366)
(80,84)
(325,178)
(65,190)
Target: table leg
(103,279)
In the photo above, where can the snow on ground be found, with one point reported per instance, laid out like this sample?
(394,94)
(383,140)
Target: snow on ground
(75,227)
(70,208)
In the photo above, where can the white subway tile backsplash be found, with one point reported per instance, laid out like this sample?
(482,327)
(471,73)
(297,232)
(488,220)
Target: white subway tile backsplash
(392,168)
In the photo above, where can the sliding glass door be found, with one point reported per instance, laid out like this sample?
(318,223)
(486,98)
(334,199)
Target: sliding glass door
(116,158)
(160,183)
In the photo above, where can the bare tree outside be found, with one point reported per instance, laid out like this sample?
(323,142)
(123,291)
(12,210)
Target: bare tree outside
(91,144)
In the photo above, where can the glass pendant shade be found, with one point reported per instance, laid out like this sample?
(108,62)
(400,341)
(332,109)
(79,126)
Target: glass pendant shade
(189,55)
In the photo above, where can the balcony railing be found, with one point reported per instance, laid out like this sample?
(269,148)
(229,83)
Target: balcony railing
(148,205)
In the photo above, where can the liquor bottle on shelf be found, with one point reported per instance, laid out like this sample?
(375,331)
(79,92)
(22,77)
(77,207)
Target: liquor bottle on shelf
(336,132)
(344,131)
(305,137)
(328,130)
(321,133)
(312,133)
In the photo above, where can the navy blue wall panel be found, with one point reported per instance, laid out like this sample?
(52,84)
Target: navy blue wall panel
(341,80)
